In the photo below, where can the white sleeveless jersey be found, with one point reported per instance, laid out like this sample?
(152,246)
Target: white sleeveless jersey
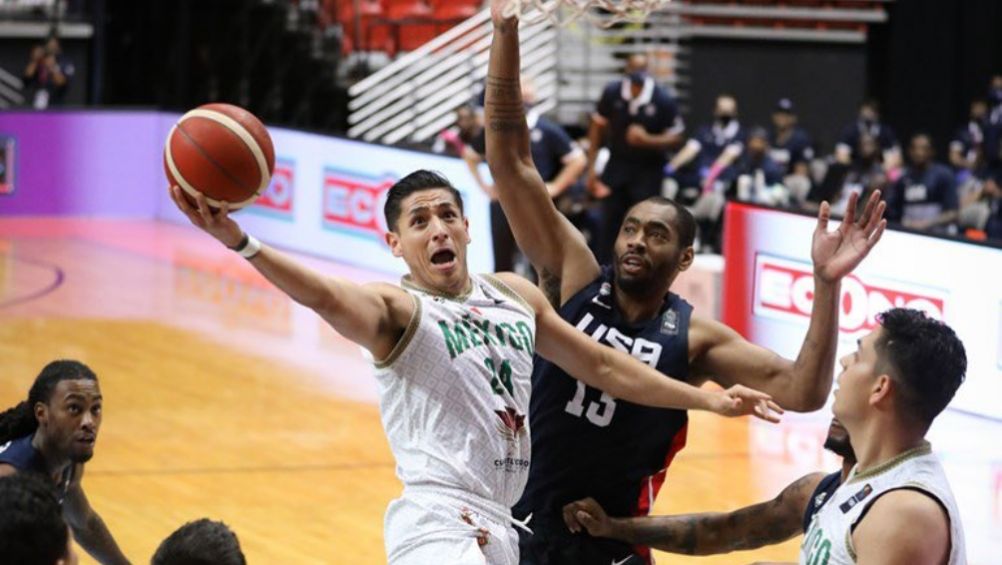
(454,392)
(829,538)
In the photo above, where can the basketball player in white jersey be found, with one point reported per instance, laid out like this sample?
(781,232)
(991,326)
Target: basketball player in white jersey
(895,505)
(453,358)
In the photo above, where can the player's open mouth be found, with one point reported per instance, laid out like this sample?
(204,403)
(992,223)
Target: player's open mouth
(444,259)
(633,264)
(86,440)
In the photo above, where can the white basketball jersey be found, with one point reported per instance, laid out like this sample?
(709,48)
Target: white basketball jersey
(829,538)
(454,392)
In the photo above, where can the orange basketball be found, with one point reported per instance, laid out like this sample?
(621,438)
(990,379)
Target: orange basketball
(221,151)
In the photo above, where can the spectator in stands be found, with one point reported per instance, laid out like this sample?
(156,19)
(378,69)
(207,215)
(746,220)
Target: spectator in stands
(868,122)
(865,175)
(559,161)
(32,528)
(791,145)
(200,542)
(698,165)
(454,140)
(792,149)
(47,76)
(755,176)
(992,196)
(638,121)
(993,132)
(925,197)
(966,149)
(967,157)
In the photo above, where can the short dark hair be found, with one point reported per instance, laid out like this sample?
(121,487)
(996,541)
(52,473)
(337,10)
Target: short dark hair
(924,357)
(417,181)
(202,542)
(685,224)
(32,529)
(20,421)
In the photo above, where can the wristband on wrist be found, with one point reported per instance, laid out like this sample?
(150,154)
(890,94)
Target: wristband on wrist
(248,247)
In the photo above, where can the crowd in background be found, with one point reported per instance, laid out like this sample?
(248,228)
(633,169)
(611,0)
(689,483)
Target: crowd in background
(638,146)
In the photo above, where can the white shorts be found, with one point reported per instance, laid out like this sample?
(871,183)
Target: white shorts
(430,527)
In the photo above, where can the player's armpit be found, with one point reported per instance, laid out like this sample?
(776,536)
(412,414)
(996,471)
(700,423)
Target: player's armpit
(903,527)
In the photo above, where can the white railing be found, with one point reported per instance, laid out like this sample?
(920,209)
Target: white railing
(415,97)
(11,90)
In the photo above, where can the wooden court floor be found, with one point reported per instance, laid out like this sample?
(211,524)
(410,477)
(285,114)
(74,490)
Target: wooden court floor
(224,400)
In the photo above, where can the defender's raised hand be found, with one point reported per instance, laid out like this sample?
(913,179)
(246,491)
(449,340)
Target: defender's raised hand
(836,253)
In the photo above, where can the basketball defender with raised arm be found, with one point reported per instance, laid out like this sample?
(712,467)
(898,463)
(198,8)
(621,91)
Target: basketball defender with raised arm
(592,443)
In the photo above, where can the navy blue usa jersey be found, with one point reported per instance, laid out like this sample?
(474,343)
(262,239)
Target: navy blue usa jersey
(587,443)
(23,456)
(828,485)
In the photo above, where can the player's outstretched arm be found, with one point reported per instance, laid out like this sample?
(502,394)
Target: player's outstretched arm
(707,533)
(371,315)
(622,376)
(554,246)
(802,384)
(88,528)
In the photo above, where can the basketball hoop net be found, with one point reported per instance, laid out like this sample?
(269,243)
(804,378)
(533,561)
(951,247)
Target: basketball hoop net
(536,11)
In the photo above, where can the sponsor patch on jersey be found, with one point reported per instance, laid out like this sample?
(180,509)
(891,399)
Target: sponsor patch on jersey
(669,322)
(848,505)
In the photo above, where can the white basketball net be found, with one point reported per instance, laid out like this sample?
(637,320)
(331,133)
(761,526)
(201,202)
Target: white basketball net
(535,11)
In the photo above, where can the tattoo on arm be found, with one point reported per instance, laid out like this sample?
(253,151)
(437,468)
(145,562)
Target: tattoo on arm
(504,101)
(751,527)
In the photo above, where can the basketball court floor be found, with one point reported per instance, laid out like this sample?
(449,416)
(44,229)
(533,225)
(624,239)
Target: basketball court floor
(223,399)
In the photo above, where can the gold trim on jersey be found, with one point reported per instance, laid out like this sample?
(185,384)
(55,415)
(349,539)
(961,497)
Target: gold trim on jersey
(405,340)
(924,449)
(407,282)
(508,291)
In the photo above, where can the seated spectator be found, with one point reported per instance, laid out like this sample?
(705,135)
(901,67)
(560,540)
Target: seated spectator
(790,144)
(865,175)
(755,177)
(32,529)
(454,140)
(992,196)
(47,75)
(925,197)
(869,123)
(713,148)
(967,147)
(993,131)
(791,149)
(202,542)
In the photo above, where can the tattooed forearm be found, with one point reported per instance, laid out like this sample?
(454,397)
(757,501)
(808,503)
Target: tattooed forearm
(504,90)
(676,534)
(505,113)
(751,527)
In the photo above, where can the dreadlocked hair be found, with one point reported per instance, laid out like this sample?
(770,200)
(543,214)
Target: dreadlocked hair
(20,421)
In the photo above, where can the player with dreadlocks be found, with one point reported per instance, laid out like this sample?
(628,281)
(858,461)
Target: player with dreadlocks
(53,434)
